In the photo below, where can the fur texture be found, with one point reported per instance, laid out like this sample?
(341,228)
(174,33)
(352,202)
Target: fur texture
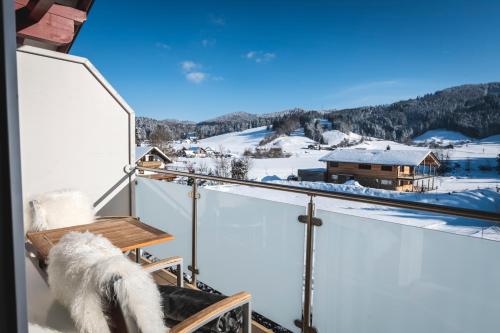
(35,328)
(81,269)
(58,209)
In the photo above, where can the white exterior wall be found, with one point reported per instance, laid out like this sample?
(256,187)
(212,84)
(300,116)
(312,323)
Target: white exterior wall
(76,132)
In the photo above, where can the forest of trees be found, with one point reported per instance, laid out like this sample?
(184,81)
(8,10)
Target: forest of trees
(471,109)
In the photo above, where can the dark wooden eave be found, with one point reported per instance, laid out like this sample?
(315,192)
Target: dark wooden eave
(50,24)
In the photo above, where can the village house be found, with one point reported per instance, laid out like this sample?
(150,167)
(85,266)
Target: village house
(400,170)
(210,152)
(193,152)
(150,157)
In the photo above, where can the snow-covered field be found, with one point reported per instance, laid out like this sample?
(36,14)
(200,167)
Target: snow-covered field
(442,136)
(472,183)
(335,137)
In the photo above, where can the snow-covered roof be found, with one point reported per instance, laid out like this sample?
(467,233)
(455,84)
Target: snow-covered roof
(140,152)
(371,156)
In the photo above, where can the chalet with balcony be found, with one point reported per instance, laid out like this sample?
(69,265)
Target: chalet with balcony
(400,170)
(151,157)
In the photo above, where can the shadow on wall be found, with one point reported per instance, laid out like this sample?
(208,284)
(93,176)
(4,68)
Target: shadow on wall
(119,205)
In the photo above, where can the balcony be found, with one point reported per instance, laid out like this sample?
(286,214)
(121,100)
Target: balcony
(410,176)
(150,164)
(307,267)
(348,273)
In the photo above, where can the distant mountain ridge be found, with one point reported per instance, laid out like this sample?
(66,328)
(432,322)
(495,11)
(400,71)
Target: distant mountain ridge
(233,116)
(473,109)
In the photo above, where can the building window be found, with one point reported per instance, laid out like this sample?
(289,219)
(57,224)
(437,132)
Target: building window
(365,166)
(334,164)
(385,182)
(386,168)
(334,177)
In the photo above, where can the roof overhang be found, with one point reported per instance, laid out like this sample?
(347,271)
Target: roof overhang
(50,24)
(155,150)
(363,157)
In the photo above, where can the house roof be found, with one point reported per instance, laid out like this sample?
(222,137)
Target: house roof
(140,152)
(385,157)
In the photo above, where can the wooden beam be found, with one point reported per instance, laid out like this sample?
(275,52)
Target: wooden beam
(52,29)
(56,27)
(38,8)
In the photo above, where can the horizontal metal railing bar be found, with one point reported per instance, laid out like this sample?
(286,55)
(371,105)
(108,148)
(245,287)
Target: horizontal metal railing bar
(455,211)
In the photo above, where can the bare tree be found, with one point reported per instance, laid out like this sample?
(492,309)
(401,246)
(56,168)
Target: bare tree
(204,169)
(222,164)
(160,136)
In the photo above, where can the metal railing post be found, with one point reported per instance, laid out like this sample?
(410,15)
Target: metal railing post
(306,323)
(194,231)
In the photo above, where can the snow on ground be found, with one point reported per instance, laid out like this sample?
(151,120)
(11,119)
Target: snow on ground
(335,137)
(442,136)
(237,142)
(472,182)
(295,143)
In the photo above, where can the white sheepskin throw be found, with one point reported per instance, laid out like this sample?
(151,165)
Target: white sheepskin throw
(59,209)
(81,269)
(35,328)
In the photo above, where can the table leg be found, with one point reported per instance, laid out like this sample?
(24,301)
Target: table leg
(137,255)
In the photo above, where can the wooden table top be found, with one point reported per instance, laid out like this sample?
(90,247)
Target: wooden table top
(124,232)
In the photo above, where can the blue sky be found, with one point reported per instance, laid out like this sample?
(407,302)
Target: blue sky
(194,60)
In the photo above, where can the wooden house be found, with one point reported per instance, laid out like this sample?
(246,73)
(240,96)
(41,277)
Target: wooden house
(400,170)
(150,157)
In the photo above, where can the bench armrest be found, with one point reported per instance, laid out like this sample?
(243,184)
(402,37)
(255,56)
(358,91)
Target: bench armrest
(216,310)
(165,263)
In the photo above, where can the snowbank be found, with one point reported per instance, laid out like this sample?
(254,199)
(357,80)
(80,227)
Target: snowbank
(484,199)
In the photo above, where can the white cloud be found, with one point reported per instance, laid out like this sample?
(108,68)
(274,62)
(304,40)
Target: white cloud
(259,56)
(162,45)
(196,77)
(193,73)
(188,65)
(217,20)
(208,42)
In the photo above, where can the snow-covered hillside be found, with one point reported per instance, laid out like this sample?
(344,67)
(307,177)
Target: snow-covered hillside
(235,142)
(473,162)
(442,136)
(473,181)
(335,137)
